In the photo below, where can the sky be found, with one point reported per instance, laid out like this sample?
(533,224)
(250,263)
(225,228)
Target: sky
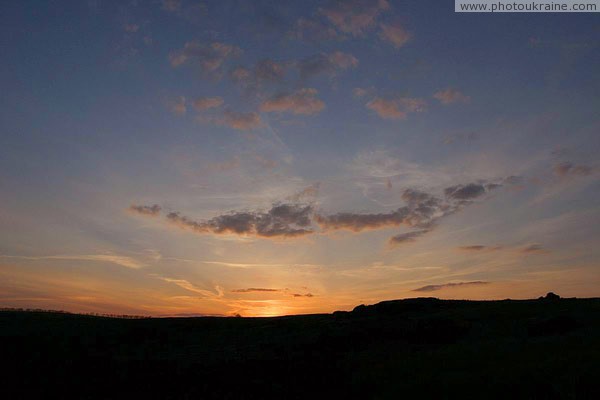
(261,158)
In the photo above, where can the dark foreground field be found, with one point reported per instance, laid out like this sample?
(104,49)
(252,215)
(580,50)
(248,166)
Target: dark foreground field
(537,349)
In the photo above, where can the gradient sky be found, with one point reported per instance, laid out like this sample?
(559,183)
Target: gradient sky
(284,157)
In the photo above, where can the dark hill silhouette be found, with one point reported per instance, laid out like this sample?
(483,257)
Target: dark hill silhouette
(423,347)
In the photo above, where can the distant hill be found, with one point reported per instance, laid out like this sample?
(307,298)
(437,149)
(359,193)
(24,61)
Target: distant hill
(428,348)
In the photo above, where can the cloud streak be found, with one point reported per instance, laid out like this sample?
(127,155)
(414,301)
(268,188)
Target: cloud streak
(433,288)
(407,237)
(254,290)
(123,261)
(479,248)
(152,210)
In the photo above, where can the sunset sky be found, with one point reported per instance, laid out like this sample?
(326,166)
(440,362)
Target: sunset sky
(262,158)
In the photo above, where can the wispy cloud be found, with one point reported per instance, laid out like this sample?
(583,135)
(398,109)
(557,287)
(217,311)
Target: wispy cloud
(252,290)
(131,28)
(311,30)
(171,5)
(251,265)
(325,63)
(302,101)
(396,108)
(285,291)
(395,34)
(407,237)
(479,248)
(209,57)
(206,103)
(238,120)
(177,106)
(534,248)
(152,210)
(566,169)
(354,17)
(123,261)
(433,288)
(182,283)
(451,96)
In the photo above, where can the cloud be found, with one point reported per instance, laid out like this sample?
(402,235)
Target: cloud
(269,290)
(265,162)
(171,5)
(407,237)
(302,101)
(421,211)
(269,70)
(282,220)
(178,106)
(294,219)
(152,210)
(302,295)
(395,34)
(433,288)
(119,260)
(479,248)
(241,74)
(182,283)
(265,71)
(451,96)
(209,57)
(354,17)
(309,193)
(534,248)
(132,28)
(569,169)
(252,290)
(324,63)
(239,120)
(312,31)
(123,261)
(205,103)
(359,92)
(359,222)
(342,60)
(397,108)
(461,137)
(465,192)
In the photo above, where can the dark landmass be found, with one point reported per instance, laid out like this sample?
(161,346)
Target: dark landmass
(536,349)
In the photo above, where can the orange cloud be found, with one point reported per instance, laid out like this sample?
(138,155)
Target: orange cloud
(205,103)
(450,96)
(395,34)
(302,101)
(396,108)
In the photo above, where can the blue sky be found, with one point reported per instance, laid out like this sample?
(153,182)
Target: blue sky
(174,157)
